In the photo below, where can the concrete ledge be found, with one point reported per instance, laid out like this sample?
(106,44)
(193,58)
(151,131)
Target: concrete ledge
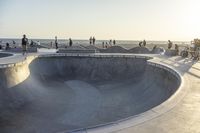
(96,55)
(77,51)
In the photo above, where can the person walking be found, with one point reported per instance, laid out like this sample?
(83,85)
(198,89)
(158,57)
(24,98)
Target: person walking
(24,44)
(56,42)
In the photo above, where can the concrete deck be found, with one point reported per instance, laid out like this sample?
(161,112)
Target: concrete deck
(181,114)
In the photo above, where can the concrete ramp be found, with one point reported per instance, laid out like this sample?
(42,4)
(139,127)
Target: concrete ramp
(114,49)
(139,50)
(85,105)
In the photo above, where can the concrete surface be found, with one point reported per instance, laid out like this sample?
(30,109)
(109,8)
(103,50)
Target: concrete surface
(185,116)
(19,50)
(114,49)
(171,52)
(4,54)
(139,50)
(52,98)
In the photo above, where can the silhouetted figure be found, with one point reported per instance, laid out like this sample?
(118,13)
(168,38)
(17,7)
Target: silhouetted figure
(110,42)
(51,44)
(0,46)
(177,48)
(7,46)
(169,44)
(106,44)
(14,44)
(140,44)
(38,43)
(31,44)
(154,47)
(114,42)
(93,40)
(56,42)
(90,40)
(24,44)
(70,42)
(144,43)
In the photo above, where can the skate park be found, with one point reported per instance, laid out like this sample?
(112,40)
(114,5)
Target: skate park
(92,92)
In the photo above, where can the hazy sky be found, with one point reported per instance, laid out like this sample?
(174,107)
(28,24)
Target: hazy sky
(106,19)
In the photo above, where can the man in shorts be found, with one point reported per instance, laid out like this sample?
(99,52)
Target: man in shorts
(24,44)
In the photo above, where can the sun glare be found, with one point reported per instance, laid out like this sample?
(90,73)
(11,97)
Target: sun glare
(191,18)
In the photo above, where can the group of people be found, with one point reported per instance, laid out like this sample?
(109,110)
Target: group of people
(107,44)
(8,45)
(170,45)
(56,42)
(92,40)
(143,43)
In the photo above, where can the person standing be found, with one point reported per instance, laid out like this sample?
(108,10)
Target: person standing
(70,42)
(24,44)
(51,44)
(14,44)
(31,43)
(144,43)
(110,42)
(169,44)
(93,40)
(114,42)
(7,46)
(90,40)
(56,42)
(177,48)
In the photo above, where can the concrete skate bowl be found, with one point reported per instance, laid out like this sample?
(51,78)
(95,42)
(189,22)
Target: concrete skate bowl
(70,93)
(5,55)
(139,50)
